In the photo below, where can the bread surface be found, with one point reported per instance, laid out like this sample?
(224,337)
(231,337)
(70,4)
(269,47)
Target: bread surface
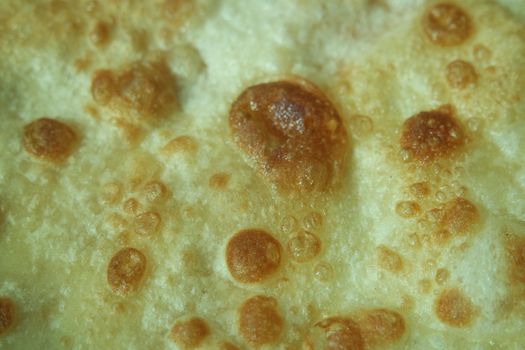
(262,174)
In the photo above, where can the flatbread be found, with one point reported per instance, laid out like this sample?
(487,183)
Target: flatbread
(262,174)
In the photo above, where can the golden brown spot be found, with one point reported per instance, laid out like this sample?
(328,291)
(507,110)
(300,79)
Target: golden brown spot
(219,181)
(341,334)
(460,74)
(419,189)
(125,270)
(459,215)
(447,24)
(172,7)
(183,144)
(381,326)
(103,87)
(131,132)
(144,91)
(260,321)
(49,139)
(7,314)
(155,191)
(441,275)
(252,255)
(515,247)
(303,246)
(228,346)
(389,260)
(131,206)
(178,12)
(100,33)
(82,63)
(147,223)
(407,209)
(293,134)
(454,309)
(434,215)
(189,334)
(91,110)
(431,135)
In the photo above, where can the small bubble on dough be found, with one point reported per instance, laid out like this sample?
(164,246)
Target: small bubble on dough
(252,255)
(260,321)
(125,270)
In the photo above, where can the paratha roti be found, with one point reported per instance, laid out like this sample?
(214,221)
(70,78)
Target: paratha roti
(262,174)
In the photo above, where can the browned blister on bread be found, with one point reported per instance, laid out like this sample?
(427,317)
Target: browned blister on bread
(293,134)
